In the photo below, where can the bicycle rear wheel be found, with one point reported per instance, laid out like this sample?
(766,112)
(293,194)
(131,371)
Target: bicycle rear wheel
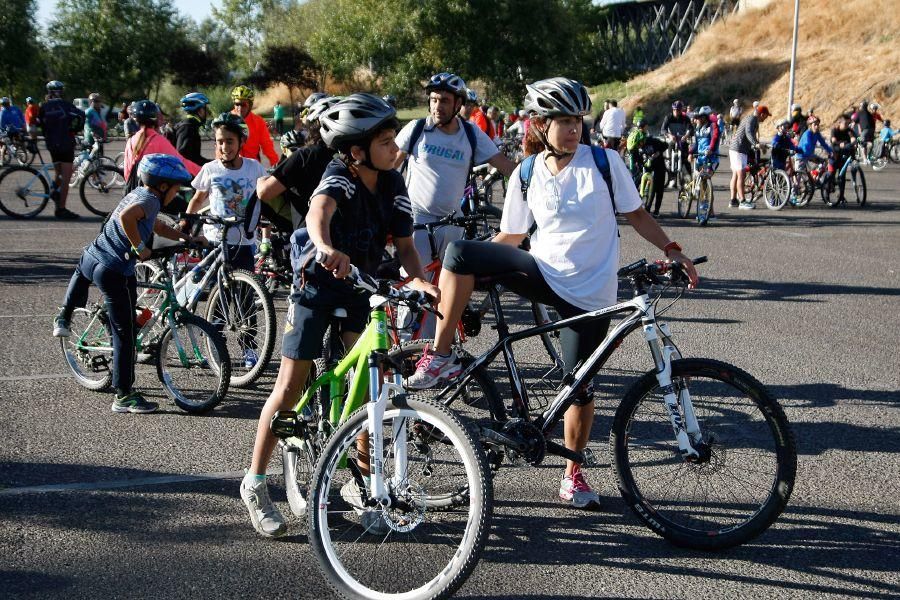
(408,549)
(245,314)
(192,364)
(88,349)
(894,153)
(776,189)
(647,191)
(23,192)
(300,452)
(803,188)
(748,462)
(100,191)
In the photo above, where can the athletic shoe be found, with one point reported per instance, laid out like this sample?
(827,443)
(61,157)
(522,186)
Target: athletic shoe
(250,358)
(64,214)
(133,402)
(266,519)
(703,213)
(432,369)
(733,203)
(746,205)
(575,490)
(371,518)
(61,327)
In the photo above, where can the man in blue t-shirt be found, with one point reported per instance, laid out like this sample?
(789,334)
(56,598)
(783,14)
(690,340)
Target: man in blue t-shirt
(11,118)
(60,119)
(94,125)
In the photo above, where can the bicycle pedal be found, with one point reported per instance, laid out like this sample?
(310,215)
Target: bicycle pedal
(285,424)
(99,363)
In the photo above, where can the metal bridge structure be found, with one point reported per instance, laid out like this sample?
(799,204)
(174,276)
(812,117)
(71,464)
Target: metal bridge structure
(642,35)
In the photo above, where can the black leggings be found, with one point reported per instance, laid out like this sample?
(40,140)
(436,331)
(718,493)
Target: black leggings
(466,257)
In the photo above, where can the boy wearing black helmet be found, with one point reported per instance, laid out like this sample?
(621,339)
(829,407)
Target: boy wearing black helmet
(187,133)
(108,262)
(359,202)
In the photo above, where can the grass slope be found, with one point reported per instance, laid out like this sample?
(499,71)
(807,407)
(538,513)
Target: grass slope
(848,50)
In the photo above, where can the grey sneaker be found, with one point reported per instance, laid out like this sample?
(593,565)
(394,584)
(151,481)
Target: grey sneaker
(266,519)
(370,518)
(61,327)
(746,205)
(133,402)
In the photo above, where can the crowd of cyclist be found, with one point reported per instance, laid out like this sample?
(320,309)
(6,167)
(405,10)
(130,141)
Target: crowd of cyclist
(339,180)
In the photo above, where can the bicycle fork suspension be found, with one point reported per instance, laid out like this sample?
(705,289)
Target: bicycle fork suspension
(687,429)
(379,394)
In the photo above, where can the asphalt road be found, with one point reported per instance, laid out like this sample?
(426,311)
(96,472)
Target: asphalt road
(96,504)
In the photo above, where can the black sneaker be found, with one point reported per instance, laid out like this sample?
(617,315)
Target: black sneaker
(133,403)
(65,214)
(733,203)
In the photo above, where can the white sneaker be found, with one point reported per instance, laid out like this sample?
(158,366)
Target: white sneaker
(61,327)
(432,369)
(745,205)
(575,490)
(370,518)
(266,518)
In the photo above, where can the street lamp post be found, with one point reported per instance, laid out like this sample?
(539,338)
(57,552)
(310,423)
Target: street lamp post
(793,57)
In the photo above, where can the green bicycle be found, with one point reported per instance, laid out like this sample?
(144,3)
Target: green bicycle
(190,354)
(416,525)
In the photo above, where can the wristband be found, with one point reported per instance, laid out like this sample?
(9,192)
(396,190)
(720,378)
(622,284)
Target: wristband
(671,246)
(140,248)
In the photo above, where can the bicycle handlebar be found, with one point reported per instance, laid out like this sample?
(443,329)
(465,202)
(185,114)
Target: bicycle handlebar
(383,287)
(657,272)
(450,219)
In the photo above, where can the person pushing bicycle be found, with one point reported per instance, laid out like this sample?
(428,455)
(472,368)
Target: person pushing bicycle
(574,252)
(108,262)
(359,201)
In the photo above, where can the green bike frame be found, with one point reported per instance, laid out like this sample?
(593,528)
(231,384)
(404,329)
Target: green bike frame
(374,337)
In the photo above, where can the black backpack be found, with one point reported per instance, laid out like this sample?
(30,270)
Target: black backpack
(419,127)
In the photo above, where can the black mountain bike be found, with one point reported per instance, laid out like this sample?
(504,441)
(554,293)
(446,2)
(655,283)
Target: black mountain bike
(703,452)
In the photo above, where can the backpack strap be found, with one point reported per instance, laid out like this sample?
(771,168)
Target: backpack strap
(417,130)
(526,170)
(469,128)
(602,162)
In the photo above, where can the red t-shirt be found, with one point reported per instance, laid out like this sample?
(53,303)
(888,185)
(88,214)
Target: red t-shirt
(482,122)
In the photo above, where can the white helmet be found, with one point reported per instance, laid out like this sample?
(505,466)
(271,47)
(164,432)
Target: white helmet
(557,96)
(317,108)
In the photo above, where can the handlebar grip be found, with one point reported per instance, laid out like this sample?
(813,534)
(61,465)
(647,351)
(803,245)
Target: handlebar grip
(699,260)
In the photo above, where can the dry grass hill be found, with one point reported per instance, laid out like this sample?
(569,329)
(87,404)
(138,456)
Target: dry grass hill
(848,50)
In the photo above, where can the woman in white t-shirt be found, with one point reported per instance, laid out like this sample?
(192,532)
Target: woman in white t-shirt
(228,184)
(574,252)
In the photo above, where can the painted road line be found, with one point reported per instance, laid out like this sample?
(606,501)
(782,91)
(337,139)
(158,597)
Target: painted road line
(162,480)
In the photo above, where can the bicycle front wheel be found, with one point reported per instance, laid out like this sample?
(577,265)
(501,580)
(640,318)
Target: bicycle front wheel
(748,462)
(192,364)
(245,314)
(100,191)
(685,199)
(894,153)
(23,192)
(406,549)
(857,182)
(776,189)
(88,350)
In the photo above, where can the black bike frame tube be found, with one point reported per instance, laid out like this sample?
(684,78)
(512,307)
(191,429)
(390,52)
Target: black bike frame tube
(587,370)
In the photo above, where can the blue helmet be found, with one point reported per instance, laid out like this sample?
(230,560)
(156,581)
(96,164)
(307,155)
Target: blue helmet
(193,102)
(163,168)
(144,112)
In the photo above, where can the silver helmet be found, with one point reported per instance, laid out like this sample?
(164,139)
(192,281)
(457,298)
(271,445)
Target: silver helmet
(354,119)
(556,97)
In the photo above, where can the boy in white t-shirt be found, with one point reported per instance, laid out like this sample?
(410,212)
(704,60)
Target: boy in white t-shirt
(574,253)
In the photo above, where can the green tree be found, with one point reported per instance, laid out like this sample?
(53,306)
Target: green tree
(247,21)
(288,65)
(117,47)
(20,51)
